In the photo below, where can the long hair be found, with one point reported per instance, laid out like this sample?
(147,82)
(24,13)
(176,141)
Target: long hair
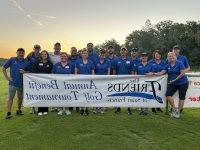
(48,58)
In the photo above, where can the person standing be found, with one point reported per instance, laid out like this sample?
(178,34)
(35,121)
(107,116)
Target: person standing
(143,68)
(18,65)
(55,56)
(111,57)
(158,68)
(43,65)
(102,68)
(33,57)
(177,81)
(123,66)
(84,66)
(135,56)
(92,55)
(63,67)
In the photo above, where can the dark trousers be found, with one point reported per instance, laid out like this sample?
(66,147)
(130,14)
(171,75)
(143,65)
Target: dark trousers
(42,109)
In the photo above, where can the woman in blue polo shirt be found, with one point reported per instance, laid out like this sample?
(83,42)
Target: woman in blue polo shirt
(158,68)
(43,65)
(63,67)
(177,81)
(86,67)
(102,67)
(143,68)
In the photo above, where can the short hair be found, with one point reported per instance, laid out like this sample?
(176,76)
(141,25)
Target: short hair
(57,44)
(110,47)
(64,53)
(124,48)
(89,44)
(20,50)
(157,51)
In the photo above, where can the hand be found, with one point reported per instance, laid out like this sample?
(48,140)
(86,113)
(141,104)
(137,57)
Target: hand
(22,71)
(9,79)
(150,74)
(172,81)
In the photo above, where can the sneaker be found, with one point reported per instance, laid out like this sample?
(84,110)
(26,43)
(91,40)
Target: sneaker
(117,110)
(176,114)
(173,111)
(94,112)
(40,114)
(77,109)
(32,111)
(102,112)
(86,112)
(143,113)
(19,112)
(81,112)
(154,110)
(8,115)
(45,113)
(67,112)
(60,112)
(129,111)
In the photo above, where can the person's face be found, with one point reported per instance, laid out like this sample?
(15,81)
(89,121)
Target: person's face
(85,54)
(171,57)
(90,47)
(144,58)
(57,48)
(111,51)
(73,51)
(102,55)
(20,54)
(37,50)
(63,58)
(123,52)
(157,56)
(176,51)
(44,56)
(134,53)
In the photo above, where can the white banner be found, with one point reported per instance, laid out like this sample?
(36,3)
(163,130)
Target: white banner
(193,93)
(56,90)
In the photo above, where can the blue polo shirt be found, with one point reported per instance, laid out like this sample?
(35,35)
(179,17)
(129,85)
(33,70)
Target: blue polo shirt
(155,67)
(73,60)
(102,68)
(94,57)
(15,65)
(184,60)
(123,66)
(136,61)
(143,69)
(84,68)
(58,68)
(174,72)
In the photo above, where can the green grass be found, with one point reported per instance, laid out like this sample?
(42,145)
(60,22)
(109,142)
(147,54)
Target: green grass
(98,132)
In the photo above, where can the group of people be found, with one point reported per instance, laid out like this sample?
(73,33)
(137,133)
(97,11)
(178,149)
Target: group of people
(101,62)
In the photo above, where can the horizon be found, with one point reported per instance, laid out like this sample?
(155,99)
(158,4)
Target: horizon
(77,22)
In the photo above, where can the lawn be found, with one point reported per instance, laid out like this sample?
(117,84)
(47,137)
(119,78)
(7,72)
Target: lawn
(98,132)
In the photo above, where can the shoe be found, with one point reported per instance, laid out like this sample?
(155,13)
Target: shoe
(19,112)
(117,110)
(52,109)
(173,111)
(77,109)
(67,112)
(32,111)
(94,112)
(60,112)
(45,113)
(154,110)
(143,113)
(81,112)
(159,109)
(86,112)
(129,111)
(40,114)
(176,114)
(8,115)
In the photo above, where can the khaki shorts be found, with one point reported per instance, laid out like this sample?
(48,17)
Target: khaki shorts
(12,91)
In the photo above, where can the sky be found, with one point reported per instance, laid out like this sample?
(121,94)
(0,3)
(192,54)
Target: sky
(24,23)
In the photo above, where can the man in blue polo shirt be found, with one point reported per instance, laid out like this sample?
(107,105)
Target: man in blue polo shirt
(92,55)
(123,66)
(111,57)
(18,65)
(135,56)
(74,55)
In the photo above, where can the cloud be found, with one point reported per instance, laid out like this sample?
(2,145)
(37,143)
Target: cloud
(33,17)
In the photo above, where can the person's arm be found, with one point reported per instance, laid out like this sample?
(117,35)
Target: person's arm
(187,66)
(6,75)
(160,73)
(93,72)
(182,73)
(108,71)
(76,71)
